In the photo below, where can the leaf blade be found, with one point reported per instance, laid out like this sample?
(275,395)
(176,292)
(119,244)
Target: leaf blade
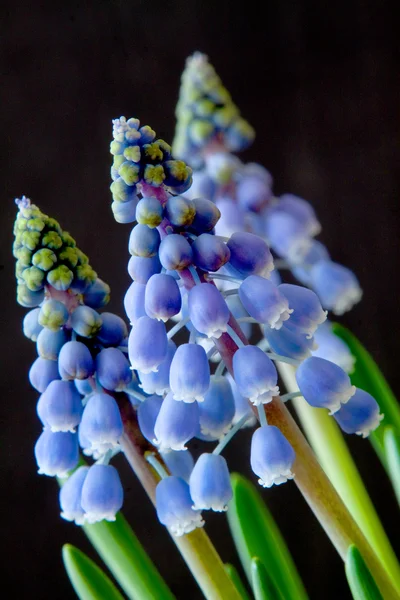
(392,450)
(235,578)
(359,578)
(263,586)
(255,534)
(87,579)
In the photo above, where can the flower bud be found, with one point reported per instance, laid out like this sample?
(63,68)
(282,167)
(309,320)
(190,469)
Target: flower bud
(162,297)
(75,361)
(209,252)
(180,211)
(49,343)
(134,302)
(113,370)
(149,212)
(144,241)
(42,372)
(208,310)
(31,325)
(97,295)
(53,314)
(85,321)
(113,330)
(141,269)
(175,252)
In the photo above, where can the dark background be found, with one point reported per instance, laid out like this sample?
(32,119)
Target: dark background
(319,82)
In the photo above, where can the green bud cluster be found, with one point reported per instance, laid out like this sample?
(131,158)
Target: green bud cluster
(206,113)
(46,255)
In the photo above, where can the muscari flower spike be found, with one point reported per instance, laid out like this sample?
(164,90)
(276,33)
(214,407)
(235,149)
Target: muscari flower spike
(206,114)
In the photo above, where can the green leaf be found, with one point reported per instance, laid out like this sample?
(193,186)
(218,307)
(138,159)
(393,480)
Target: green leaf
(392,450)
(237,582)
(127,560)
(255,534)
(87,579)
(263,586)
(369,377)
(360,580)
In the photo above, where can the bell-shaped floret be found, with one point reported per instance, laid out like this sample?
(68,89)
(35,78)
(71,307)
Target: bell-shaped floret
(148,344)
(189,373)
(202,186)
(157,382)
(290,343)
(49,343)
(113,329)
(31,325)
(179,463)
(254,193)
(210,485)
(287,237)
(84,386)
(180,211)
(70,497)
(360,415)
(255,375)
(209,252)
(271,456)
(208,310)
(56,453)
(332,348)
(134,302)
(337,286)
(162,297)
(102,493)
(175,252)
(176,424)
(113,370)
(144,241)
(141,268)
(147,413)
(218,408)
(175,506)
(42,372)
(53,314)
(60,406)
(264,301)
(323,384)
(97,295)
(316,252)
(85,321)
(250,255)
(101,423)
(75,361)
(308,313)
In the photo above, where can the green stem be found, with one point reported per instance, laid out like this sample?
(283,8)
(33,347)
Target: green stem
(328,443)
(196,548)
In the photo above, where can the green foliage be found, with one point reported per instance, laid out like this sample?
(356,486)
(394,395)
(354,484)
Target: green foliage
(237,582)
(263,586)
(360,580)
(256,535)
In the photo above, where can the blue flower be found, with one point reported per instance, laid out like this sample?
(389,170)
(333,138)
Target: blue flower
(175,252)
(210,486)
(360,414)
(287,237)
(113,370)
(175,506)
(102,493)
(332,348)
(49,343)
(255,375)
(208,310)
(61,406)
(264,301)
(176,424)
(31,325)
(101,423)
(148,344)
(113,329)
(250,255)
(70,497)
(289,342)
(53,314)
(323,384)
(336,286)
(144,241)
(85,321)
(158,382)
(218,408)
(75,361)
(189,373)
(56,453)
(209,252)
(307,310)
(147,413)
(141,268)
(271,456)
(97,295)
(134,302)
(162,298)
(179,463)
(42,372)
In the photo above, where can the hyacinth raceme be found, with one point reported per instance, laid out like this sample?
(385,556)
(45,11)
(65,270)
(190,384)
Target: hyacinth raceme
(186,277)
(202,263)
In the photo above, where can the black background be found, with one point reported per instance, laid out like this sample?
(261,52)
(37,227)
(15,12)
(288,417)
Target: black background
(319,82)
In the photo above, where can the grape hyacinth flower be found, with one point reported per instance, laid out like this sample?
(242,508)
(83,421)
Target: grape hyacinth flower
(360,414)
(102,493)
(272,456)
(175,506)
(210,486)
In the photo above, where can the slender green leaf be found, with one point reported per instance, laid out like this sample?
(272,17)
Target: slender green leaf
(392,450)
(127,560)
(237,582)
(255,534)
(369,377)
(360,580)
(263,586)
(87,579)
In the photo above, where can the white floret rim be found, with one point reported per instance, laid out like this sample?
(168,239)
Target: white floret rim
(347,300)
(370,425)
(186,525)
(264,396)
(341,398)
(276,479)
(281,315)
